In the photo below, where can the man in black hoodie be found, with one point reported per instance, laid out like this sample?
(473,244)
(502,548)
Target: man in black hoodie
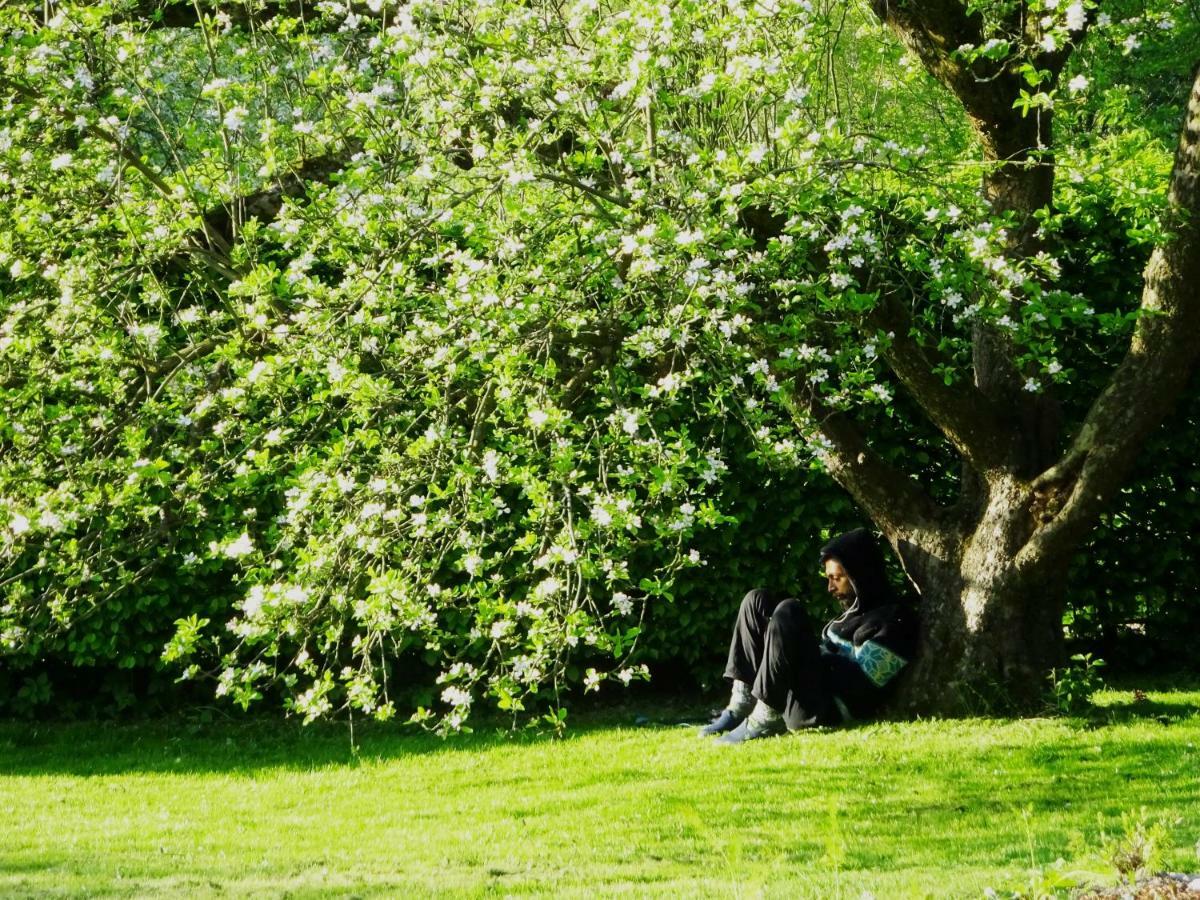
(785,677)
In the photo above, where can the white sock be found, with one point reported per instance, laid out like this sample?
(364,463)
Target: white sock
(741,701)
(762,715)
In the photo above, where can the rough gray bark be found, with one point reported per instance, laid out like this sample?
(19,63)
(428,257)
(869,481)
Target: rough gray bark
(990,630)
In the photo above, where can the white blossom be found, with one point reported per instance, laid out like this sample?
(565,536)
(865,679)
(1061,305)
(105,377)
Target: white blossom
(547,588)
(500,628)
(1076,16)
(50,520)
(253,603)
(491,461)
(591,680)
(456,697)
(239,546)
(235,118)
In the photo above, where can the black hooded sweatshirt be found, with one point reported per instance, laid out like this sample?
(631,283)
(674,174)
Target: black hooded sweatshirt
(868,644)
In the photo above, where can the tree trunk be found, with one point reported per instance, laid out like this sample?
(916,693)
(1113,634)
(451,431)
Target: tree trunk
(989,630)
(986,647)
(991,570)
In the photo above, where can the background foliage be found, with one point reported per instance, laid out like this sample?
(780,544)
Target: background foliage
(398,366)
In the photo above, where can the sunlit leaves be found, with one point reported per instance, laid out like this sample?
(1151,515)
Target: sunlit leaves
(389,341)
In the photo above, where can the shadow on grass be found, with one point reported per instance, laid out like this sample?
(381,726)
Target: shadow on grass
(243,744)
(1165,712)
(178,746)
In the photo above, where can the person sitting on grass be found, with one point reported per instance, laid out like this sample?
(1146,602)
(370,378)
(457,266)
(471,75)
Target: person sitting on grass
(786,678)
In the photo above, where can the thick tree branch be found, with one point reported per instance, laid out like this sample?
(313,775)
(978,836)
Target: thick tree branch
(266,203)
(1019,181)
(933,30)
(1145,386)
(962,412)
(213,243)
(1022,180)
(893,500)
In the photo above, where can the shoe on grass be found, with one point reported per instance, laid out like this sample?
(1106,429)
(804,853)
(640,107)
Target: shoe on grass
(752,731)
(726,720)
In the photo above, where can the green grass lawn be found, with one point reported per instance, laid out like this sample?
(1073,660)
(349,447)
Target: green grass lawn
(263,808)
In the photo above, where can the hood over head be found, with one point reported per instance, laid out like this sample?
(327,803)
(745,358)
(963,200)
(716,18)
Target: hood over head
(861,558)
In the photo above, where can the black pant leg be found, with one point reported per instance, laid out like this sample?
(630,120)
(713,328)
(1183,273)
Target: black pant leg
(793,677)
(749,634)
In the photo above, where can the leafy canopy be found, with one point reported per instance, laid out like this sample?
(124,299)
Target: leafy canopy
(412,321)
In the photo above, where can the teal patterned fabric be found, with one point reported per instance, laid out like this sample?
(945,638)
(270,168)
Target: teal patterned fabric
(878,663)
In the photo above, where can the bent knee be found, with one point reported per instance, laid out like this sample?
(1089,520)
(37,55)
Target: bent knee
(790,612)
(757,600)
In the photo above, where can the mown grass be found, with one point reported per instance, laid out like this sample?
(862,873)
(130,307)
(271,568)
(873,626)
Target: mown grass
(930,808)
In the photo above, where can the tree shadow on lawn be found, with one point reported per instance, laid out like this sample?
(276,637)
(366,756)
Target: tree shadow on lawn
(177,746)
(185,744)
(246,744)
(199,742)
(1164,712)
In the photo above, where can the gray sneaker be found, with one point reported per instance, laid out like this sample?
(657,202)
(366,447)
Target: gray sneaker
(748,731)
(726,721)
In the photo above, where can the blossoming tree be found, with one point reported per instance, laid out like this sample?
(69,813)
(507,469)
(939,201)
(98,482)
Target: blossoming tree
(415,319)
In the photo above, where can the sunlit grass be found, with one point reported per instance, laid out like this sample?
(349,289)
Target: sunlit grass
(941,808)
